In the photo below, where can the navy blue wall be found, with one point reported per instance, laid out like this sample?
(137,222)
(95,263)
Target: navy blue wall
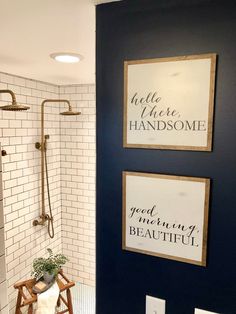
(149,29)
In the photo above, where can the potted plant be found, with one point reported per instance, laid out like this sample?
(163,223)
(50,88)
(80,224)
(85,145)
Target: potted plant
(48,267)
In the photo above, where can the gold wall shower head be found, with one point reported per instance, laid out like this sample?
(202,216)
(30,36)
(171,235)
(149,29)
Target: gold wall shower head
(70,113)
(14,106)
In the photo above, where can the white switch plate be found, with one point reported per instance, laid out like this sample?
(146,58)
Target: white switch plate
(155,305)
(198,311)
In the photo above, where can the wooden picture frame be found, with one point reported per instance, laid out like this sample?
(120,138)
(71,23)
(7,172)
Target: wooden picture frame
(166,216)
(169,103)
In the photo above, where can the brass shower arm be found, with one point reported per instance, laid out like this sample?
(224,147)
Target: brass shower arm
(8,91)
(42,147)
(42,114)
(57,100)
(43,144)
(43,215)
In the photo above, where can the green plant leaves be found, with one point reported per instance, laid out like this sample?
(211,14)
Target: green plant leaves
(51,264)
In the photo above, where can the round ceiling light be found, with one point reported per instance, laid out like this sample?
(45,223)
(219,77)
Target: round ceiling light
(66,57)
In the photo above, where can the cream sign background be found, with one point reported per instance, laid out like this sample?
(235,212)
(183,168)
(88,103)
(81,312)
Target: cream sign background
(166,216)
(169,102)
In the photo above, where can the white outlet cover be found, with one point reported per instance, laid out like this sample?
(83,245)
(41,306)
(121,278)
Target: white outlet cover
(155,305)
(198,311)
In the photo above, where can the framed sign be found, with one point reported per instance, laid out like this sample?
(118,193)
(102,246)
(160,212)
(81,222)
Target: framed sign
(166,216)
(168,102)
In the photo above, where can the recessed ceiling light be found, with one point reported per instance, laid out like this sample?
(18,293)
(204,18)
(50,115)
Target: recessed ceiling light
(66,57)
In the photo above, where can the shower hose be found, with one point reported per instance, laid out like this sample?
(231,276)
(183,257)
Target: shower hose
(50,218)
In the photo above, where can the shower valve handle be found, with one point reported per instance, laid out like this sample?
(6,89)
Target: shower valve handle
(4,153)
(37,145)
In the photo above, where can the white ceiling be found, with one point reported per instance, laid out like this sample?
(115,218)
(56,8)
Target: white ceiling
(30,30)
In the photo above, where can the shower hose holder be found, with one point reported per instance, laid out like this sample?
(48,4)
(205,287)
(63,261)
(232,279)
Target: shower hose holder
(39,145)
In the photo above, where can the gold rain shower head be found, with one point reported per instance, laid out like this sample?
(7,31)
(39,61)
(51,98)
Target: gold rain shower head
(70,113)
(13,106)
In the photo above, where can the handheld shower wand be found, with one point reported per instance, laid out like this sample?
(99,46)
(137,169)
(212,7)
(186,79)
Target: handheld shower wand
(42,146)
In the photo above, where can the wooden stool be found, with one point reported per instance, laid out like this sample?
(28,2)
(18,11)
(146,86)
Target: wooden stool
(27,297)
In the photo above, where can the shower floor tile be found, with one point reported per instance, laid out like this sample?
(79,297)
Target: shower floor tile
(83,298)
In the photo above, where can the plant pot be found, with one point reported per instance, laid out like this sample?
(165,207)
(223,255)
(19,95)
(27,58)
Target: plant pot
(48,278)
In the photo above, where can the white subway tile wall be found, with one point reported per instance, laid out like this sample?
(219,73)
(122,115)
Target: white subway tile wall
(21,179)
(78,154)
(21,176)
